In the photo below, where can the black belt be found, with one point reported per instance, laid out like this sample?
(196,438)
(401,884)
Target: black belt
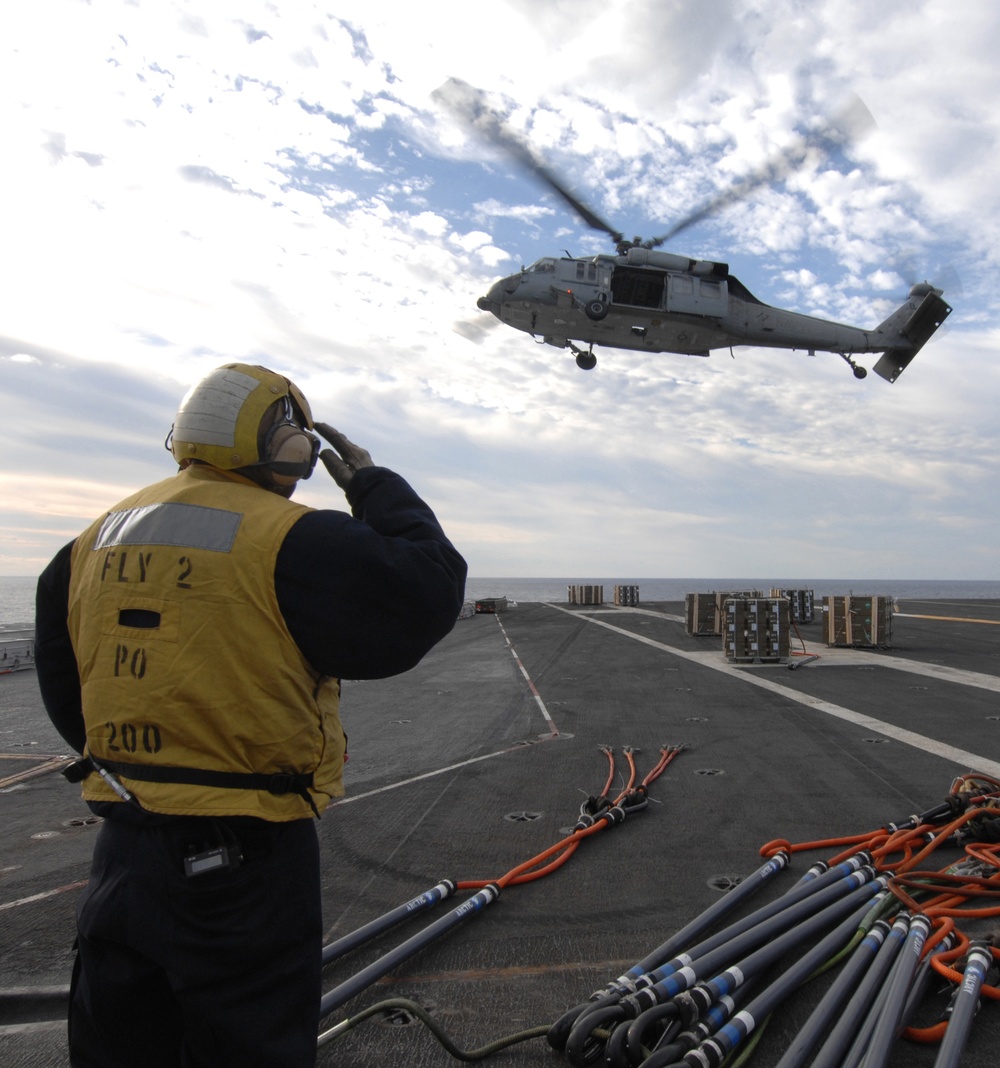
(280,783)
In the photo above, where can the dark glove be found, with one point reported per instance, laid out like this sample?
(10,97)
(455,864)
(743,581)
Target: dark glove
(352,457)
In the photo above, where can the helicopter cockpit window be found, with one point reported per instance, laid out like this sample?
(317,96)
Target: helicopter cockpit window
(544,264)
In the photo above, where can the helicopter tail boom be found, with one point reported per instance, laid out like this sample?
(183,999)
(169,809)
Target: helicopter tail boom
(909,328)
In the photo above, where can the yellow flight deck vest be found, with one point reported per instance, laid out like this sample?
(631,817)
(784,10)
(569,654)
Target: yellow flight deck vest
(195,696)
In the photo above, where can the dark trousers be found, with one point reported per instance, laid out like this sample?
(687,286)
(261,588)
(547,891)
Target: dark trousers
(216,970)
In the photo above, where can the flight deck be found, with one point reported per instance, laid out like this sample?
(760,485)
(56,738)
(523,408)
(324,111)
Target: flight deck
(472,771)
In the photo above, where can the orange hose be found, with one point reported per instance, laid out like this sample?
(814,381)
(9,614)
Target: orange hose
(781,845)
(566,847)
(986,990)
(611,769)
(946,896)
(631,779)
(666,756)
(927,1035)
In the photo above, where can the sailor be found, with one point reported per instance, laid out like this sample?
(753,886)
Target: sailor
(190,645)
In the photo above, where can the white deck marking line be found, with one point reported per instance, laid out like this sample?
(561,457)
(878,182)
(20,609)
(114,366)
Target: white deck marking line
(950,619)
(42,896)
(971,761)
(552,736)
(437,771)
(32,1028)
(531,686)
(946,674)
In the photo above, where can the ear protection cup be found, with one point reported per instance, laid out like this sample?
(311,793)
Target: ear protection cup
(291,454)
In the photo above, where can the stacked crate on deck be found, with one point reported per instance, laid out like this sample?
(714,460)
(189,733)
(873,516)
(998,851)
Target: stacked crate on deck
(859,621)
(626,596)
(701,613)
(585,594)
(800,603)
(756,629)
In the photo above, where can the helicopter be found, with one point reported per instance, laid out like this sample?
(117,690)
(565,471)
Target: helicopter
(648,300)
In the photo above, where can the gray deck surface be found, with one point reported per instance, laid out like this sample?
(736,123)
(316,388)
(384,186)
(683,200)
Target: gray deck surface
(463,769)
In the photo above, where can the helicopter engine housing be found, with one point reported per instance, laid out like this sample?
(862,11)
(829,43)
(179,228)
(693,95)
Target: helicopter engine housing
(669,261)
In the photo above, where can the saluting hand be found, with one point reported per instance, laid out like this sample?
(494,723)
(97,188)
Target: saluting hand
(352,457)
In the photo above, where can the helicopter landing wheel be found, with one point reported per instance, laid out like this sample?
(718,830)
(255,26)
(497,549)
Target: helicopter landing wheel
(586,361)
(596,310)
(859,372)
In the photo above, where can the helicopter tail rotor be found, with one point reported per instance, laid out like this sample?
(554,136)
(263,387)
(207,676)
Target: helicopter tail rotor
(945,280)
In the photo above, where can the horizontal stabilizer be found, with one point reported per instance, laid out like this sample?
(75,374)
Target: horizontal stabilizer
(930,313)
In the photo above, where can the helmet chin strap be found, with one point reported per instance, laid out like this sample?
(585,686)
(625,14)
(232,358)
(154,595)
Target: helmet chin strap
(261,474)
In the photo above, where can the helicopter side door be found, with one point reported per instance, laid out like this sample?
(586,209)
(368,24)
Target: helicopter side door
(691,295)
(638,287)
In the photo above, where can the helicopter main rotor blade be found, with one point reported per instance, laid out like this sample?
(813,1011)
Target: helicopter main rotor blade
(850,124)
(469,105)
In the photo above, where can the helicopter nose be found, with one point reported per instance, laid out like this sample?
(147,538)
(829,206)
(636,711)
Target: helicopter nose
(493,299)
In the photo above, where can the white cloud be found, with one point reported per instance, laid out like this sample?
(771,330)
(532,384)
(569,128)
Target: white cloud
(273,183)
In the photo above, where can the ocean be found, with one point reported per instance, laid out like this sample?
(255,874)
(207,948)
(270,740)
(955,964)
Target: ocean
(17,602)
(17,594)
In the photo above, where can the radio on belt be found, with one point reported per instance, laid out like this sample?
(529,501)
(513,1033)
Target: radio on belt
(211,860)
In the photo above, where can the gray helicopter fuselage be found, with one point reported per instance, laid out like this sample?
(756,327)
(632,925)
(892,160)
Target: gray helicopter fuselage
(655,301)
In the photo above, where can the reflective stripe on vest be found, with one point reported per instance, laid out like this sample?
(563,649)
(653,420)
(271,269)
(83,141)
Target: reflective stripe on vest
(170,523)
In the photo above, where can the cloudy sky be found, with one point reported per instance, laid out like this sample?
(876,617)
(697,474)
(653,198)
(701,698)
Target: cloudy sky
(186,184)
